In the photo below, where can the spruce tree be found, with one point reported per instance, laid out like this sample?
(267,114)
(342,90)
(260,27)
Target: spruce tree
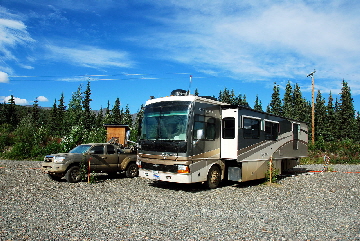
(136,128)
(329,122)
(107,115)
(61,115)
(116,113)
(258,105)
(87,116)
(301,109)
(320,117)
(53,122)
(12,116)
(347,113)
(127,118)
(75,113)
(35,113)
(196,92)
(288,105)
(275,103)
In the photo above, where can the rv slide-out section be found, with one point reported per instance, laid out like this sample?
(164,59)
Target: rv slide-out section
(189,139)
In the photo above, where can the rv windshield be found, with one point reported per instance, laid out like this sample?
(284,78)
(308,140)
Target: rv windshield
(165,121)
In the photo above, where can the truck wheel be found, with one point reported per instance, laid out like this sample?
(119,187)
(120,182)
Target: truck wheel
(73,174)
(213,177)
(132,170)
(54,177)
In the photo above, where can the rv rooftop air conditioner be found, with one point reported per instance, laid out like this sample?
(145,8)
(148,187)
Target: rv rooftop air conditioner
(178,92)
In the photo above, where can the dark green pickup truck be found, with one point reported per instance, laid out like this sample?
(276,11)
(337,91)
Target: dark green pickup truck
(102,157)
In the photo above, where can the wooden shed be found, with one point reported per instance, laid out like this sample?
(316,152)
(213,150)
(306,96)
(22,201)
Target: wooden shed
(116,131)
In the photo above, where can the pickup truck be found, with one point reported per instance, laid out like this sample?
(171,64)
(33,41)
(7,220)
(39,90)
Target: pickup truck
(102,157)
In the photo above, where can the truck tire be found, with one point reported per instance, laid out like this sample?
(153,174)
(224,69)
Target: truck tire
(132,170)
(73,174)
(213,177)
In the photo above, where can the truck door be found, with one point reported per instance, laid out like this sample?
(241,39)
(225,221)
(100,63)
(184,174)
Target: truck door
(103,158)
(229,134)
(96,160)
(112,158)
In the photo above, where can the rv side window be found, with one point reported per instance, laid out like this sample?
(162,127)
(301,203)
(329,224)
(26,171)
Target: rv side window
(199,127)
(228,128)
(271,130)
(210,129)
(207,129)
(251,128)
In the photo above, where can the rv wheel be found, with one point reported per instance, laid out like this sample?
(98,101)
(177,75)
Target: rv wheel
(213,177)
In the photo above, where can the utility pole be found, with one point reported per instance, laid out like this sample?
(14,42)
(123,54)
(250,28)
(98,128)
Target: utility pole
(312,107)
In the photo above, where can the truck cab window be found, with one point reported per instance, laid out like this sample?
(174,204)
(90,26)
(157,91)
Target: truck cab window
(228,128)
(110,149)
(251,128)
(98,150)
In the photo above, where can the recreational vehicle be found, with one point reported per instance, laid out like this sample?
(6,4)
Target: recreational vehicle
(189,139)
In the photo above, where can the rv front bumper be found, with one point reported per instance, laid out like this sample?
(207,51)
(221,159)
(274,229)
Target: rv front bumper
(165,176)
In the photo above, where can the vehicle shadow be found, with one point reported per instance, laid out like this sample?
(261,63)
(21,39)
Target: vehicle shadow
(185,187)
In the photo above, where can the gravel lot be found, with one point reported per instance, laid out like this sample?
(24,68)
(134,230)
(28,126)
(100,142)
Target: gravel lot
(306,206)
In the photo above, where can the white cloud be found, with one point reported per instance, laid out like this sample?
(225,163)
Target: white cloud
(42,99)
(264,40)
(18,101)
(90,56)
(13,33)
(4,77)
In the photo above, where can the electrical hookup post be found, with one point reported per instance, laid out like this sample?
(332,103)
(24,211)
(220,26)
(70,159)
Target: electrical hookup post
(326,163)
(270,168)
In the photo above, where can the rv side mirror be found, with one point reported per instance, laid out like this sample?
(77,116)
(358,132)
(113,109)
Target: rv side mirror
(200,134)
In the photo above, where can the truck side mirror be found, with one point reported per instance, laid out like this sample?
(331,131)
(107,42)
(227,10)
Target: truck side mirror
(127,136)
(92,152)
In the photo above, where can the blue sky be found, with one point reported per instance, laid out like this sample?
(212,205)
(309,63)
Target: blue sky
(136,49)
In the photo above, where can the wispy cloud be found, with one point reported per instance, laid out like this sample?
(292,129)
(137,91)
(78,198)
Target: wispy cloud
(255,41)
(13,33)
(90,56)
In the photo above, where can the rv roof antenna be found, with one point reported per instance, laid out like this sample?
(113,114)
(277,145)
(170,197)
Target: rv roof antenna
(188,93)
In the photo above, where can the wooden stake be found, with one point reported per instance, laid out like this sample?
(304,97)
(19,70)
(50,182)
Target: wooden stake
(270,167)
(89,170)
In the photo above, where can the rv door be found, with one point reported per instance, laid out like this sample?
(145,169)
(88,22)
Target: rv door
(229,135)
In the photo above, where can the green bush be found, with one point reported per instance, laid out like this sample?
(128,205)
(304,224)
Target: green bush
(345,151)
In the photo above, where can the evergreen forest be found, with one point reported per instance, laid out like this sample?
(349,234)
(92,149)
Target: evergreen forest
(30,133)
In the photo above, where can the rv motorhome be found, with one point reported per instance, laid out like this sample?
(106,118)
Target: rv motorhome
(189,139)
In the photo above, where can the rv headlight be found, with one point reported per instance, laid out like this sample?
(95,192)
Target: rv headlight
(59,159)
(183,169)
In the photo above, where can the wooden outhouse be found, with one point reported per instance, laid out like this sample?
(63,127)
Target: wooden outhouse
(116,131)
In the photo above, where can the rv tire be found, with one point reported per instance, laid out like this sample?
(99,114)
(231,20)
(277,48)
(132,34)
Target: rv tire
(213,177)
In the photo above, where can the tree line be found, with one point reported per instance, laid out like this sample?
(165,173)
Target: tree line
(32,132)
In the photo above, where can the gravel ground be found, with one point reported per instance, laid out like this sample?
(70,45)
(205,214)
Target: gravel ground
(303,206)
